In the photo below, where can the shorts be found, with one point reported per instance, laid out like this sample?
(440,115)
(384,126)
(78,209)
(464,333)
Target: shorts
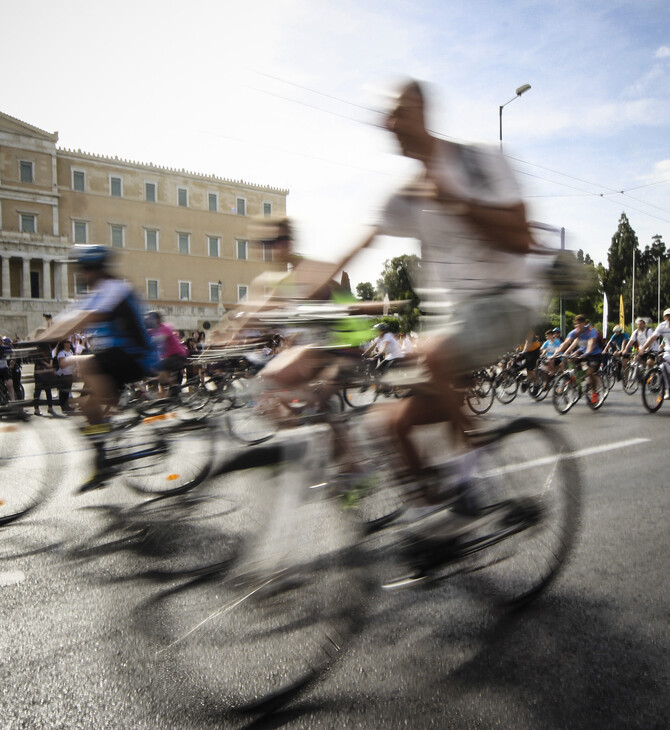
(593,361)
(119,365)
(531,358)
(481,329)
(5,374)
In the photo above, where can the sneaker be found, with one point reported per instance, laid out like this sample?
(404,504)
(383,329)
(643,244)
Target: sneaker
(37,412)
(667,395)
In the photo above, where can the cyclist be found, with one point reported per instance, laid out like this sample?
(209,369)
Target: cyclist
(639,339)
(663,330)
(387,345)
(122,349)
(615,347)
(475,284)
(584,342)
(172,353)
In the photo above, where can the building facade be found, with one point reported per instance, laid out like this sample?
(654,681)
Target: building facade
(182,237)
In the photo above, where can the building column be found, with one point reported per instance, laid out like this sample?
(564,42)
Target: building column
(25,279)
(61,278)
(6,282)
(46,279)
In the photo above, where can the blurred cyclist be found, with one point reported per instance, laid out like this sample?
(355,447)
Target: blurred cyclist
(122,352)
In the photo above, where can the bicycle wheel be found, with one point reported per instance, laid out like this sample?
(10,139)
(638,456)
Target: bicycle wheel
(631,379)
(25,471)
(527,477)
(541,389)
(601,393)
(653,389)
(252,638)
(505,387)
(565,393)
(250,423)
(479,396)
(160,458)
(360,396)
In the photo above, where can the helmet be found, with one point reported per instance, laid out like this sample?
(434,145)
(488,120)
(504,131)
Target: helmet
(6,341)
(382,327)
(618,328)
(556,329)
(666,312)
(92,257)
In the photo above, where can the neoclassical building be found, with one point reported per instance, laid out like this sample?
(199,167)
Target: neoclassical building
(182,237)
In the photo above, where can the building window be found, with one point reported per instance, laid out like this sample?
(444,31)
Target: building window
(242,250)
(182,197)
(267,252)
(213,200)
(28,223)
(116,236)
(80,285)
(241,206)
(184,290)
(183,242)
(78,181)
(150,192)
(214,291)
(80,231)
(242,292)
(267,209)
(213,245)
(151,239)
(115,187)
(27,171)
(152,288)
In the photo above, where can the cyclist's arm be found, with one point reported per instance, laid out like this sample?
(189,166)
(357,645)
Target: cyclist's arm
(650,341)
(73,321)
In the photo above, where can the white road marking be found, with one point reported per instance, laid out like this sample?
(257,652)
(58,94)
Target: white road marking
(11,578)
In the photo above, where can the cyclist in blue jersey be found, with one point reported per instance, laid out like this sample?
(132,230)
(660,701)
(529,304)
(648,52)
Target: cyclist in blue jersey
(584,342)
(111,315)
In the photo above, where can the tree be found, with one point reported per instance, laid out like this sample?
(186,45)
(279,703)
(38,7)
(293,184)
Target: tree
(365,291)
(619,275)
(396,281)
(345,283)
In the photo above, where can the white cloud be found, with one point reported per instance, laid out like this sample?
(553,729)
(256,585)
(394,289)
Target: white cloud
(662,52)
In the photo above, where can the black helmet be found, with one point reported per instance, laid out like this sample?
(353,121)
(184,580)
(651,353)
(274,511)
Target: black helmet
(382,327)
(91,256)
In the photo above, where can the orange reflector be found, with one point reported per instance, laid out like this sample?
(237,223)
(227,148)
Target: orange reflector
(171,477)
(160,417)
(8,429)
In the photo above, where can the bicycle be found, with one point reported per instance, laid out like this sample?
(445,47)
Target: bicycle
(655,387)
(569,387)
(296,594)
(634,374)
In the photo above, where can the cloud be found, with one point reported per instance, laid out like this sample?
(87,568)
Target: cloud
(662,52)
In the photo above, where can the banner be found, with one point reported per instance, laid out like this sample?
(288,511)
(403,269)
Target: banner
(605,315)
(622,319)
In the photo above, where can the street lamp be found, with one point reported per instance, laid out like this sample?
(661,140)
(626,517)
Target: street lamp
(521,90)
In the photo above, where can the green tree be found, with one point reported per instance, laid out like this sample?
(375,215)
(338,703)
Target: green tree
(365,291)
(396,281)
(619,274)
(345,283)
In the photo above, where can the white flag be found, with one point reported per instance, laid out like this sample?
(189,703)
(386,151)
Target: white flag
(605,314)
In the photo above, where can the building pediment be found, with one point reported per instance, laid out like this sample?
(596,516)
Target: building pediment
(11,125)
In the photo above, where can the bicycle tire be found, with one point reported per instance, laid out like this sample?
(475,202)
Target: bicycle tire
(479,396)
(178,458)
(506,386)
(543,387)
(565,393)
(602,395)
(249,424)
(25,471)
(631,380)
(653,389)
(527,473)
(360,396)
(254,637)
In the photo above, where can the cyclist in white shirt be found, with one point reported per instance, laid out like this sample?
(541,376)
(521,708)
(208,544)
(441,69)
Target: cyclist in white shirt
(663,330)
(639,339)
(387,345)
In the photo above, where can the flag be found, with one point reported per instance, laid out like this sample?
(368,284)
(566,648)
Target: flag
(605,315)
(622,319)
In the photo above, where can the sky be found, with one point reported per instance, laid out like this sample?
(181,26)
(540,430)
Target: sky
(289,93)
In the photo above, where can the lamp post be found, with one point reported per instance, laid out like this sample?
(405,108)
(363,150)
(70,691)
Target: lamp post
(521,90)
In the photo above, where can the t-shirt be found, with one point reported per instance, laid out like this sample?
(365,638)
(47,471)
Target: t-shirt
(640,337)
(167,342)
(588,333)
(549,347)
(457,260)
(663,330)
(122,324)
(387,344)
(618,341)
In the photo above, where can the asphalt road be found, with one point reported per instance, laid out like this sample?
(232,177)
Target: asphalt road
(85,581)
